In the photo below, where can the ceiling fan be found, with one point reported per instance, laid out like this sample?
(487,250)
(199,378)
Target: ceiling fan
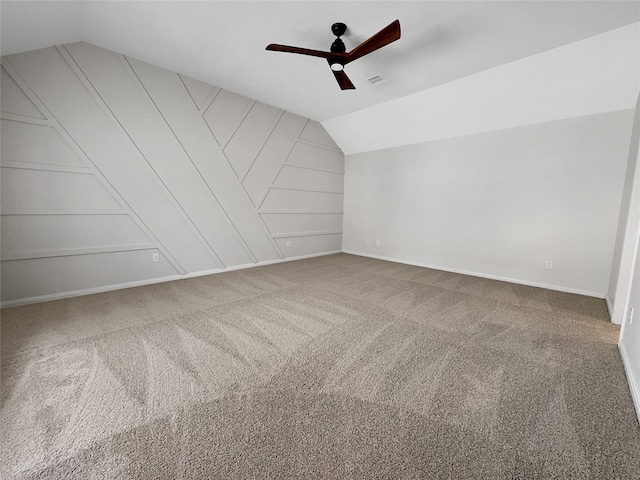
(338,57)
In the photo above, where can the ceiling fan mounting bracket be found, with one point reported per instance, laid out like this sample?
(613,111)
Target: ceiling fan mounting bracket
(338,29)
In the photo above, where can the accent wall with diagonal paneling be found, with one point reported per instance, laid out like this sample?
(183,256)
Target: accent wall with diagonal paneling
(110,163)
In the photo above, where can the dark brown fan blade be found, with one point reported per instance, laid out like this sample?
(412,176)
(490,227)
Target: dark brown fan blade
(303,51)
(343,80)
(388,34)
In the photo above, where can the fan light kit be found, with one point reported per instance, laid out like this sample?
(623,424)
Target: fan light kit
(337,55)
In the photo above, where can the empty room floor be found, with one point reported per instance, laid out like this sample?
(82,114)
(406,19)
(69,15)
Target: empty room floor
(331,367)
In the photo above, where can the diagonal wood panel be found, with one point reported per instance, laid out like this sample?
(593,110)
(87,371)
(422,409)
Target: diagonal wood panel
(38,144)
(317,157)
(28,190)
(120,89)
(250,137)
(295,176)
(225,114)
(284,224)
(58,212)
(108,158)
(15,100)
(270,159)
(57,164)
(22,234)
(199,92)
(102,139)
(189,128)
(301,200)
(314,132)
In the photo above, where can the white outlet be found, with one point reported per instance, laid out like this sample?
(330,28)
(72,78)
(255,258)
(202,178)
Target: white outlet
(288,243)
(366,241)
(156,257)
(377,243)
(549,265)
(630,315)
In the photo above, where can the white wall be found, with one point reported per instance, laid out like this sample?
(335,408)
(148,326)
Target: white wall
(630,336)
(627,232)
(107,160)
(627,267)
(497,204)
(498,172)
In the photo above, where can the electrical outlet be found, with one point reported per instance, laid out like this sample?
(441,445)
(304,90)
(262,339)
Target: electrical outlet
(155,257)
(377,243)
(288,243)
(630,315)
(366,241)
(549,265)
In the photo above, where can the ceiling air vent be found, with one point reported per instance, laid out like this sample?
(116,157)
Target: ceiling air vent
(376,80)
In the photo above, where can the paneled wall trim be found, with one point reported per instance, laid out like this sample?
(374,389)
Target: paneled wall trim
(118,173)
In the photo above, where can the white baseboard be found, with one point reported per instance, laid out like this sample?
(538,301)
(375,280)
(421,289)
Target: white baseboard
(558,288)
(151,281)
(609,307)
(635,389)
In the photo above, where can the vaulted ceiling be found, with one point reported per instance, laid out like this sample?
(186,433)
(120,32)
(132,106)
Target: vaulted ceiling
(223,42)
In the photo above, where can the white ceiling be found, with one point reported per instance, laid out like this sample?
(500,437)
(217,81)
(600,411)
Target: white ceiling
(223,42)
(592,76)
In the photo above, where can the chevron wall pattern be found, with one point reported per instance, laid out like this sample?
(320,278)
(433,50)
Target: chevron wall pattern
(107,160)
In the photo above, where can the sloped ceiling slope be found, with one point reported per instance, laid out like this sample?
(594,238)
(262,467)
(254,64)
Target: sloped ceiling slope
(596,75)
(223,43)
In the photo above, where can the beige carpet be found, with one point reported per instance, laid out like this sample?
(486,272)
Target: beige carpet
(338,367)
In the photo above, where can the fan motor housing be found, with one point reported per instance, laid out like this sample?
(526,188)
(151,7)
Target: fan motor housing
(338,46)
